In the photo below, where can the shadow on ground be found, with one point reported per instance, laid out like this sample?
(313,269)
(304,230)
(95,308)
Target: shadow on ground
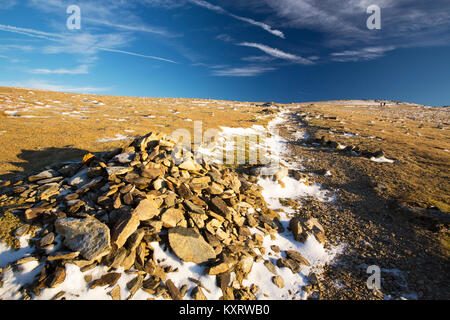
(34,160)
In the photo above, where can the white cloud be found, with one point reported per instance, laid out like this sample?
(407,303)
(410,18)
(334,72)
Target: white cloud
(249,71)
(277,53)
(404,23)
(369,53)
(85,45)
(82,69)
(221,10)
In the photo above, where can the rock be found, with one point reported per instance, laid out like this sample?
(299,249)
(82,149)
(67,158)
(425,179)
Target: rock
(58,277)
(288,263)
(190,165)
(269,265)
(25,260)
(152,173)
(79,179)
(22,230)
(135,239)
(194,208)
(123,229)
(128,223)
(109,279)
(189,245)
(129,260)
(88,236)
(43,175)
(124,157)
(219,206)
(215,189)
(119,257)
(134,285)
(294,255)
(244,267)
(278,281)
(200,183)
(33,213)
(49,190)
(172,218)
(63,256)
(146,210)
(297,230)
(115,293)
(223,267)
(173,290)
(116,171)
(46,240)
(198,294)
(275,248)
(184,191)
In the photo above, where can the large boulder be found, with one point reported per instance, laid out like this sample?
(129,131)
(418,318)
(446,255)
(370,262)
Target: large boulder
(88,236)
(189,245)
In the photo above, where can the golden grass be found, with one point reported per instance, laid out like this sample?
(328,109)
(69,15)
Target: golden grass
(72,126)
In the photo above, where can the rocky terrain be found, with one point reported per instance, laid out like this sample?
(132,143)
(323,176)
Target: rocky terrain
(144,218)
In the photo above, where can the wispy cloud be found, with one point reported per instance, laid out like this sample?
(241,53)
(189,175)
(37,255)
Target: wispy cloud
(404,23)
(221,10)
(248,71)
(84,44)
(138,28)
(82,69)
(277,53)
(369,53)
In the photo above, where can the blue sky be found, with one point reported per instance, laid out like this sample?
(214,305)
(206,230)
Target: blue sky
(249,50)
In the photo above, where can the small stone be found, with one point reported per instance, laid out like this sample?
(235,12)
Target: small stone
(109,279)
(146,210)
(222,267)
(275,248)
(134,285)
(190,165)
(63,256)
(278,281)
(43,175)
(194,208)
(198,294)
(172,218)
(219,206)
(115,293)
(189,245)
(294,255)
(173,290)
(25,260)
(58,277)
(47,239)
(297,230)
(135,239)
(79,179)
(152,173)
(88,236)
(269,265)
(123,229)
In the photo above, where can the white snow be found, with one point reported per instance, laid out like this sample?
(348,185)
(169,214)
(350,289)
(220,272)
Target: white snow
(382,159)
(116,138)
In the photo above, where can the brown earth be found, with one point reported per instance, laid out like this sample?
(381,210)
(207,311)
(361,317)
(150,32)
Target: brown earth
(392,215)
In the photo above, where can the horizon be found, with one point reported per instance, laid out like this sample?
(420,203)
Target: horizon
(286,51)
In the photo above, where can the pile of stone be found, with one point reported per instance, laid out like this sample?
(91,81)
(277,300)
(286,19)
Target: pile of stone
(109,208)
